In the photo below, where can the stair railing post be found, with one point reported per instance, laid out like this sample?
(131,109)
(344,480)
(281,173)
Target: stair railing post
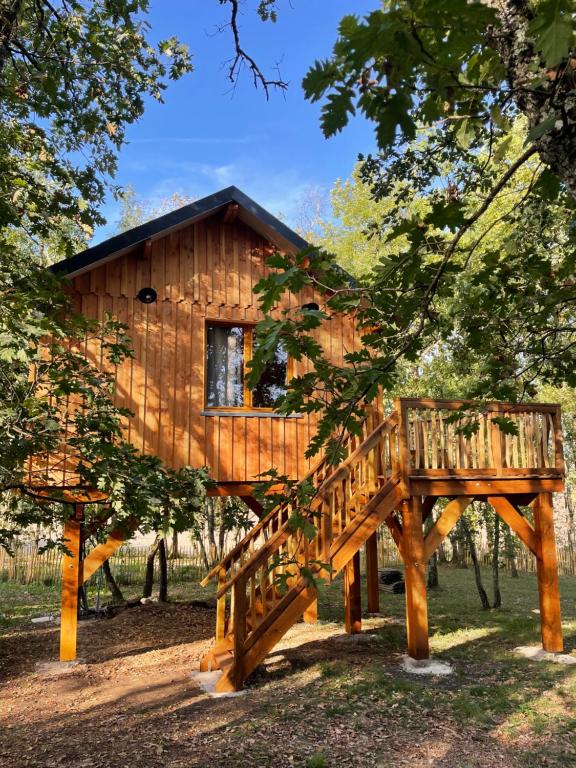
(558,440)
(221,607)
(495,438)
(403,451)
(239,630)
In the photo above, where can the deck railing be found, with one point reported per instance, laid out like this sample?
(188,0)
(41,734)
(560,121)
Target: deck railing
(433,441)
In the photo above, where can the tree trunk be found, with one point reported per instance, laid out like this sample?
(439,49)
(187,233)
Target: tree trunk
(9,10)
(174,553)
(203,553)
(496,562)
(568,497)
(432,580)
(538,95)
(117,596)
(163,578)
(83,607)
(441,555)
(511,552)
(149,579)
(458,549)
(221,540)
(211,519)
(474,556)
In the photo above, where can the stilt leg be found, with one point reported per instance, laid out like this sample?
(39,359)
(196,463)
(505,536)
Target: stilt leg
(353,596)
(70,584)
(547,569)
(415,578)
(372,576)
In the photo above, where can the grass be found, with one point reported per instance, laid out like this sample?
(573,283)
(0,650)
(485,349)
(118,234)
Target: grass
(530,708)
(20,603)
(492,688)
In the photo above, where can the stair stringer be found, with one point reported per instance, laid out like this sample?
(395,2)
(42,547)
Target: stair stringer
(301,596)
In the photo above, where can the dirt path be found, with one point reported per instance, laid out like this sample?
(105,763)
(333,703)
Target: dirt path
(132,703)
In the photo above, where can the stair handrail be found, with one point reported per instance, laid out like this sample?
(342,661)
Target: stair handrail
(254,562)
(365,446)
(253,532)
(236,551)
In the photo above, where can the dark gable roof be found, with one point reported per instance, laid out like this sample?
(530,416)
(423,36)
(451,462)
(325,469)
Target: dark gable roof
(249,212)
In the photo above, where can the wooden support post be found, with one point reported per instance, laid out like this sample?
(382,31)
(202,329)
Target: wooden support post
(353,596)
(71,580)
(415,579)
(372,575)
(547,570)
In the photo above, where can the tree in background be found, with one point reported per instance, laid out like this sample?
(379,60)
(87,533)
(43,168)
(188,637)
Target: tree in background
(136,210)
(494,296)
(74,75)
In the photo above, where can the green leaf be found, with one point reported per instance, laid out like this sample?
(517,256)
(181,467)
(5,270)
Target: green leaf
(465,133)
(543,127)
(553,30)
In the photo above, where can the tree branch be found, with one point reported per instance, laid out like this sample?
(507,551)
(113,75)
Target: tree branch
(242,58)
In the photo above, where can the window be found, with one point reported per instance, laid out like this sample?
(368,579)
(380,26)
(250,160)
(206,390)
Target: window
(228,350)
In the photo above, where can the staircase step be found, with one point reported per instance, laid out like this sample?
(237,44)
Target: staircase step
(209,661)
(225,660)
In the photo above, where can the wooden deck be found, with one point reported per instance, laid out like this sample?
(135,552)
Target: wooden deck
(394,474)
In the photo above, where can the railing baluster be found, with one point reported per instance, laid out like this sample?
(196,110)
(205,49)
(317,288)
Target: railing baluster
(239,599)
(515,441)
(434,440)
(253,601)
(264,588)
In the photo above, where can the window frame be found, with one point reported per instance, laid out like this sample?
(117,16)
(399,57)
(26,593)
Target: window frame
(248,328)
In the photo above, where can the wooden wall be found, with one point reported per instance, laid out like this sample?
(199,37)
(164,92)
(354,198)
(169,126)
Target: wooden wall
(205,271)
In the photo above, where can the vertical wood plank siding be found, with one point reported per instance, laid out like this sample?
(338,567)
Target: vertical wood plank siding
(205,271)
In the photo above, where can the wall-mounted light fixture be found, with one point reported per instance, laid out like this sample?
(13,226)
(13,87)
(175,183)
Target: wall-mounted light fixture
(147,295)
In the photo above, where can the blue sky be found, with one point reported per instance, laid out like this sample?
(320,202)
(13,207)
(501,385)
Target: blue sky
(205,137)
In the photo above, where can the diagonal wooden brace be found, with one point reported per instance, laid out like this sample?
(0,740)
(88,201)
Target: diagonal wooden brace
(519,524)
(103,551)
(395,527)
(442,527)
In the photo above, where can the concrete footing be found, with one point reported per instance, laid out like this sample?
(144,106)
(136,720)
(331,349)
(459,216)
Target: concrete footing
(537,653)
(426,666)
(207,681)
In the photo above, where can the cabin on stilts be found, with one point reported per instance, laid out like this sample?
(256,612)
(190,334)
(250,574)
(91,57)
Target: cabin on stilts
(184,285)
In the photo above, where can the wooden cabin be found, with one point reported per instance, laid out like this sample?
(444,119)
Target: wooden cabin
(184,285)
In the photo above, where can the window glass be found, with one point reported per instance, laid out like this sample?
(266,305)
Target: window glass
(273,381)
(225,366)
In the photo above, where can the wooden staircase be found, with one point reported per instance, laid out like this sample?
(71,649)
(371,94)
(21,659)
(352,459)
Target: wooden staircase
(350,502)
(394,472)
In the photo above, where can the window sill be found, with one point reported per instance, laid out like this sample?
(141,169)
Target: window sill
(251,414)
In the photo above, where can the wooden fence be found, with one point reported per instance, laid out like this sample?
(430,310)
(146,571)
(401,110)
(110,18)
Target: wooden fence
(129,563)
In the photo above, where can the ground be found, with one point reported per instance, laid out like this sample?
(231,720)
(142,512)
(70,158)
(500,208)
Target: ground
(322,699)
